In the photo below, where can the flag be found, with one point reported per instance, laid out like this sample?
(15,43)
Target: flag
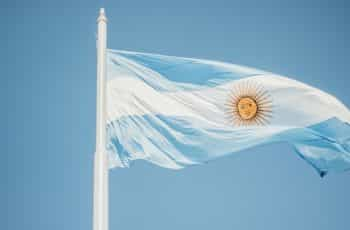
(175,112)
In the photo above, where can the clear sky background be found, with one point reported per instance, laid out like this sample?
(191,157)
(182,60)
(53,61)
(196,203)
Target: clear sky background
(48,88)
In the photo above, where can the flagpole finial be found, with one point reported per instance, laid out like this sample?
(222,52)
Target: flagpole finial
(102,16)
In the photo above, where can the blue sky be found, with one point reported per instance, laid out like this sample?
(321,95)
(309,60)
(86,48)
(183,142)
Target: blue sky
(48,114)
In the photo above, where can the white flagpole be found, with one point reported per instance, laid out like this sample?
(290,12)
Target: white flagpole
(100,204)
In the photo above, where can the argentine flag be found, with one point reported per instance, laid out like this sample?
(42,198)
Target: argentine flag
(175,112)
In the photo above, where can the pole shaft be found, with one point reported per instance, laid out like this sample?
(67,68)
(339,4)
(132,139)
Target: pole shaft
(100,192)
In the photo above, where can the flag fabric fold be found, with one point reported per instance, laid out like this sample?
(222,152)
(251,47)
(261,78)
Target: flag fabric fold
(176,112)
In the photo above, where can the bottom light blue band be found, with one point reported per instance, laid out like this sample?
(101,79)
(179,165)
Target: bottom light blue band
(176,142)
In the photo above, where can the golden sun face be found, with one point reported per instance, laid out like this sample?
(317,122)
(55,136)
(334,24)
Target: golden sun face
(247,108)
(249,104)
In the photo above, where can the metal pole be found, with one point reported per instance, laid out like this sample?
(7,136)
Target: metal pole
(100,204)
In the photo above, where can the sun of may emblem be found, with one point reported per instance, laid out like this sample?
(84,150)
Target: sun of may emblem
(249,104)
